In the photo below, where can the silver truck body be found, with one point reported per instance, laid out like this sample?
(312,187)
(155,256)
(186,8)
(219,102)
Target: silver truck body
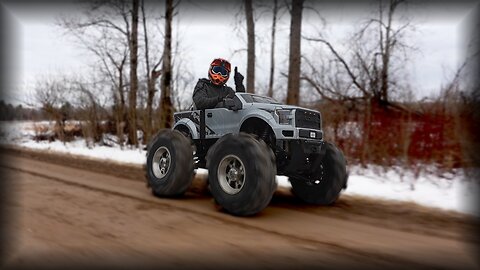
(221,121)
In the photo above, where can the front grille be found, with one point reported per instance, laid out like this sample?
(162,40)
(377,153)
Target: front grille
(307,119)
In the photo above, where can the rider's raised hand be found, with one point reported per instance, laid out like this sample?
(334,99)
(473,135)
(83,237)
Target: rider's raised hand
(238,77)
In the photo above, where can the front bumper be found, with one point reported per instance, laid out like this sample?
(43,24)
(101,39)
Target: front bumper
(291,133)
(298,156)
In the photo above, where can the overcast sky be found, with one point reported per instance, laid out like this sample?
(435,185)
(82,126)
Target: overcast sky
(206,33)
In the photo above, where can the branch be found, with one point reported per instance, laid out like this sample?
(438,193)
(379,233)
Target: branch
(344,63)
(158,63)
(237,51)
(102,23)
(364,65)
(332,89)
(315,86)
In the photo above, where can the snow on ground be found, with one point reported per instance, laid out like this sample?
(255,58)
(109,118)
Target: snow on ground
(458,194)
(20,133)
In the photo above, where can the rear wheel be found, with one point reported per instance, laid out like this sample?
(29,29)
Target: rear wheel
(328,180)
(241,174)
(169,163)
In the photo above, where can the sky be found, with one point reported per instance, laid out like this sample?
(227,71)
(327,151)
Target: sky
(42,49)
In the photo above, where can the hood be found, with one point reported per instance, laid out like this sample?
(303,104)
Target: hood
(259,104)
(272,107)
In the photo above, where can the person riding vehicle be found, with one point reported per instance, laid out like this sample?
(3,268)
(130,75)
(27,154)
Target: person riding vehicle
(212,92)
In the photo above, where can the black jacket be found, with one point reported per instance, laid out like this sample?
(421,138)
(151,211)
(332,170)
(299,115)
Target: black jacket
(208,95)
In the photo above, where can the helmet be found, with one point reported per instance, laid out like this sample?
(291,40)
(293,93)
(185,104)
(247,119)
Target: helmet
(219,71)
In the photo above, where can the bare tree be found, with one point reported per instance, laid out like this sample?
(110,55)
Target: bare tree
(110,46)
(106,30)
(51,94)
(87,101)
(183,77)
(166,110)
(368,68)
(250,47)
(272,48)
(293,88)
(152,74)
(364,76)
(132,94)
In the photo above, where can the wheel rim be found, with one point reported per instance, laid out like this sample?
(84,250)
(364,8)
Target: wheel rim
(231,174)
(161,162)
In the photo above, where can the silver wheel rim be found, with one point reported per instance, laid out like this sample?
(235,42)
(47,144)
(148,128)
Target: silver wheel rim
(161,162)
(231,174)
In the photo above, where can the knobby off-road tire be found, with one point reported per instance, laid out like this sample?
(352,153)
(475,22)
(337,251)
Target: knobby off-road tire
(330,178)
(241,174)
(169,165)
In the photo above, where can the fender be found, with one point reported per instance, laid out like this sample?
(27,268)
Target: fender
(190,125)
(260,114)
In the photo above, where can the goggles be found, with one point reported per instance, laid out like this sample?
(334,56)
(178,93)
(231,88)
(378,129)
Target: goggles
(221,62)
(220,70)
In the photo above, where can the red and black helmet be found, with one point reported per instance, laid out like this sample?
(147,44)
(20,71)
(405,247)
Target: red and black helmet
(219,71)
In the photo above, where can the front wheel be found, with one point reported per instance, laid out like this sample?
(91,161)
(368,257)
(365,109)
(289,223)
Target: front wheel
(169,163)
(241,174)
(329,178)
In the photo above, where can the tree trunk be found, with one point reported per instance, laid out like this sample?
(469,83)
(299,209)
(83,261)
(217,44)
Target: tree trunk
(386,55)
(295,53)
(166,111)
(151,79)
(250,47)
(132,97)
(272,48)
(148,117)
(120,109)
(92,118)
(96,135)
(387,44)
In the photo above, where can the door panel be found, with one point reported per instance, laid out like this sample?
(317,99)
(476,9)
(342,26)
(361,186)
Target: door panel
(220,121)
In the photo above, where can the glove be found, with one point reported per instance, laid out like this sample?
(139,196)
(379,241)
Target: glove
(222,96)
(238,78)
(230,95)
(228,102)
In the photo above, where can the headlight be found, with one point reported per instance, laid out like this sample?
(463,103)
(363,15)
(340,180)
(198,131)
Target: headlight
(284,116)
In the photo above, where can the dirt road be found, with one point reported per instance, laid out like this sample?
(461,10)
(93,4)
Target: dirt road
(65,211)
